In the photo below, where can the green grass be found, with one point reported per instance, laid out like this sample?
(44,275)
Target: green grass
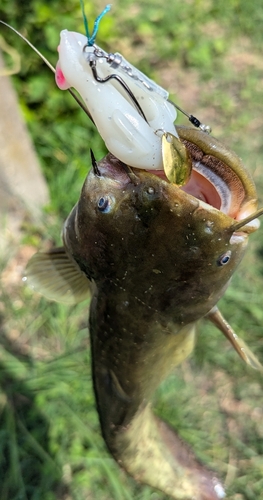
(209,55)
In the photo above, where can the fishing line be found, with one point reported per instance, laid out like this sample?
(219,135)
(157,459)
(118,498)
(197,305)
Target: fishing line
(86,26)
(91,38)
(80,103)
(205,128)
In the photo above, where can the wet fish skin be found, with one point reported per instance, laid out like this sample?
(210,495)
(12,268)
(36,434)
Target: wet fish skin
(148,297)
(154,260)
(121,248)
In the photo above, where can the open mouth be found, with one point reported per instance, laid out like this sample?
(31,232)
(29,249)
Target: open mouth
(203,189)
(218,176)
(212,181)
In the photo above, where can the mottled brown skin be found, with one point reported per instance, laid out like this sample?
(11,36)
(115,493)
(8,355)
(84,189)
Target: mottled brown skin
(156,260)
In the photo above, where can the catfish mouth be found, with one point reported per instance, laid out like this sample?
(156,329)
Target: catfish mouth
(218,185)
(229,193)
(237,199)
(198,185)
(202,189)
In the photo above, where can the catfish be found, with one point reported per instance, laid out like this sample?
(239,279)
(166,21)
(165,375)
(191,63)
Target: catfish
(154,259)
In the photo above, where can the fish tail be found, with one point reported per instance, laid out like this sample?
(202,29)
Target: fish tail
(152,453)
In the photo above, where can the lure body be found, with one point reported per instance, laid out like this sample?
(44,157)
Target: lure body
(125,132)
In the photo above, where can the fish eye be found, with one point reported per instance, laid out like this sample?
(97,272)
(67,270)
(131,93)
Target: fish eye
(104,204)
(149,192)
(224,258)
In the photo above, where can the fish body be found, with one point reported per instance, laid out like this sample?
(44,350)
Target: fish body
(155,260)
(154,256)
(148,295)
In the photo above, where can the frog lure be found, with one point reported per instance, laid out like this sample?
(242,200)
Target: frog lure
(160,227)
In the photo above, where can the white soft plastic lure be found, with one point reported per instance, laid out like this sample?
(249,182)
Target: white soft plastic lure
(132,132)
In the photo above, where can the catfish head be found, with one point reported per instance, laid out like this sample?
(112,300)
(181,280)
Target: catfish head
(154,241)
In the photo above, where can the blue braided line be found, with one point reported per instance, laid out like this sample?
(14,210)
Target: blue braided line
(91,39)
(86,26)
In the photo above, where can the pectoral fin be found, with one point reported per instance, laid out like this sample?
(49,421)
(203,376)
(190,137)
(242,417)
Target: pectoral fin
(54,275)
(239,345)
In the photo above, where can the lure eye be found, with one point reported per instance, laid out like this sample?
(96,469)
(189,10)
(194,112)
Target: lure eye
(104,205)
(224,259)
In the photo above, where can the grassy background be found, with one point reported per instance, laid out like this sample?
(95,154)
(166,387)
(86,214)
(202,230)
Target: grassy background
(209,55)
